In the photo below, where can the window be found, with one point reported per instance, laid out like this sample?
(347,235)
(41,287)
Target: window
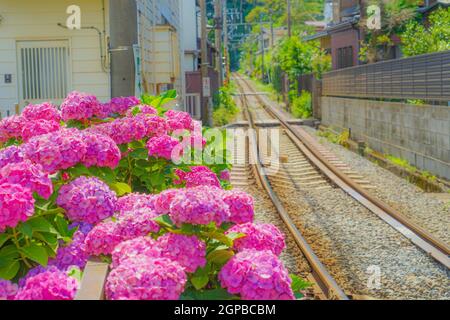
(43,69)
(345,57)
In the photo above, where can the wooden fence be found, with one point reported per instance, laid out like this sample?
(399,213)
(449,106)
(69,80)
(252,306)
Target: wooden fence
(425,77)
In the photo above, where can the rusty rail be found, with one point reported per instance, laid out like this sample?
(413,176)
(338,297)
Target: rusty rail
(324,281)
(420,237)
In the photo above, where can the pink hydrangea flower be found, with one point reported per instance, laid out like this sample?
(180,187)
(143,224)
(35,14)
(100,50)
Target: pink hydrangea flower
(241,206)
(34,272)
(56,151)
(180,174)
(225,175)
(162,147)
(49,285)
(259,237)
(179,120)
(121,105)
(257,275)
(43,111)
(123,130)
(188,251)
(8,290)
(11,127)
(39,127)
(200,205)
(102,110)
(154,125)
(87,200)
(74,253)
(102,239)
(164,200)
(143,109)
(132,248)
(79,106)
(101,151)
(16,205)
(134,201)
(137,223)
(201,176)
(158,279)
(12,154)
(29,176)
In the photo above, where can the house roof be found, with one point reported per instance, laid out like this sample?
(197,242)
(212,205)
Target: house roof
(317,35)
(440,3)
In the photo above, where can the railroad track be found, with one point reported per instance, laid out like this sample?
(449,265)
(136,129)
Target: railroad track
(245,174)
(315,168)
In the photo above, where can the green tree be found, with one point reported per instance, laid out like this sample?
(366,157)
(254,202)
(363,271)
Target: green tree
(417,39)
(394,14)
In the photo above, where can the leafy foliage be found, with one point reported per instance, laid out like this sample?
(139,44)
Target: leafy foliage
(302,105)
(378,44)
(225,109)
(417,39)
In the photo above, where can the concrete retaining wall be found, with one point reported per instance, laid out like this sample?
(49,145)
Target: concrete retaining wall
(419,134)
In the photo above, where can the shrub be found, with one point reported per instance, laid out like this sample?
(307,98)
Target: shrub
(183,209)
(302,105)
(225,108)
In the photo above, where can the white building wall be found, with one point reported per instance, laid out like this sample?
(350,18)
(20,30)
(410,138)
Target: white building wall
(190,35)
(37,20)
(161,45)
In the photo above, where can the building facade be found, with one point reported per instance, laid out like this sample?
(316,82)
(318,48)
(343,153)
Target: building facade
(124,47)
(344,33)
(194,93)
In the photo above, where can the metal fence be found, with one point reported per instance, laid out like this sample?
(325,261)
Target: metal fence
(425,77)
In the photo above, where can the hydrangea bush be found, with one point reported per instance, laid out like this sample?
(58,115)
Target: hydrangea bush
(112,180)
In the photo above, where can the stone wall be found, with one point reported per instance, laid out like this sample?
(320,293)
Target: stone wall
(419,134)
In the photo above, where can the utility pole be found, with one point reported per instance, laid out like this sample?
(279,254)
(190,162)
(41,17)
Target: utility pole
(225,44)
(272,41)
(205,64)
(262,48)
(289,23)
(218,37)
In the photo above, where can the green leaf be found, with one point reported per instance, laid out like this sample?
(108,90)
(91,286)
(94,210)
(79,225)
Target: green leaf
(26,229)
(298,284)
(157,179)
(141,154)
(10,270)
(79,170)
(187,229)
(62,226)
(40,224)
(135,111)
(121,188)
(143,163)
(234,236)
(164,221)
(49,238)
(299,295)
(200,278)
(36,253)
(105,174)
(9,252)
(220,257)
(136,145)
(75,273)
(3,238)
(222,238)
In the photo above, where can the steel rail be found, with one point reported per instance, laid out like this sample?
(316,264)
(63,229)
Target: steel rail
(322,277)
(423,239)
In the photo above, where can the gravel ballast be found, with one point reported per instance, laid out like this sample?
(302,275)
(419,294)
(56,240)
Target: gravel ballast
(350,240)
(424,209)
